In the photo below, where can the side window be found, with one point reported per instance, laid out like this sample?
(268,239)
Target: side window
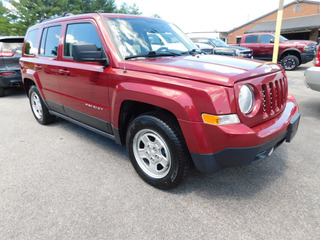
(266,38)
(50,41)
(80,33)
(31,41)
(251,39)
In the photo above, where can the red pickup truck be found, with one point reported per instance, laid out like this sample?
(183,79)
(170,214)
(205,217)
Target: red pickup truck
(170,105)
(292,53)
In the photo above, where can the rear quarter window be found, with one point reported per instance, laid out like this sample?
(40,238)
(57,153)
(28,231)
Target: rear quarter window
(50,41)
(31,42)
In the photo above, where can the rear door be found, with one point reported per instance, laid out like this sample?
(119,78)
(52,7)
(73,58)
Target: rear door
(252,41)
(84,85)
(46,66)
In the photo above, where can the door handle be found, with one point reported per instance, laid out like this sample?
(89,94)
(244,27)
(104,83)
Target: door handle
(38,67)
(64,72)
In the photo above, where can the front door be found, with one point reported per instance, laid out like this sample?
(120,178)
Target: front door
(266,50)
(84,85)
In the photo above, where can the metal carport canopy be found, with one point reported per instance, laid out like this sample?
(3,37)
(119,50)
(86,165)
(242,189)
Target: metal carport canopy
(289,24)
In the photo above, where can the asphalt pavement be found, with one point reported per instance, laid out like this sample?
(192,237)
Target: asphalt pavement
(64,182)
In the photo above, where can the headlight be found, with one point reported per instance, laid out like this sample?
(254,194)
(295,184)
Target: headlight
(246,99)
(308,48)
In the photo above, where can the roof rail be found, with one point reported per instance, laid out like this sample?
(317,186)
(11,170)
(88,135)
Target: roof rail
(64,14)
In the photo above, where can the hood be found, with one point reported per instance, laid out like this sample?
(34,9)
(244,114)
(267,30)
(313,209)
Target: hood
(306,42)
(239,48)
(214,69)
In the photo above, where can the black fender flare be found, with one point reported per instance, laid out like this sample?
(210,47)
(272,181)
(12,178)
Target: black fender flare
(290,50)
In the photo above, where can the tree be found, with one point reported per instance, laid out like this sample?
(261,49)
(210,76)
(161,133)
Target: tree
(156,16)
(125,8)
(25,13)
(5,25)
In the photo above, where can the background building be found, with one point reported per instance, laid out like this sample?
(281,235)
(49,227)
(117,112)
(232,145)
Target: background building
(301,20)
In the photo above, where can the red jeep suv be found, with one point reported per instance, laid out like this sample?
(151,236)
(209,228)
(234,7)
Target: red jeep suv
(170,105)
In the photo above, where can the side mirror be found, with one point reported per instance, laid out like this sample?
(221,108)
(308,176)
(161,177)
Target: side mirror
(272,40)
(88,52)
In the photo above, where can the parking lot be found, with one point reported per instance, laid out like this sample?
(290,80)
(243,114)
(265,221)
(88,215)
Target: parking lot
(64,182)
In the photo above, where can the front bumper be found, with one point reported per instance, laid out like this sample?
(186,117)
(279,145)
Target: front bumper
(215,147)
(307,57)
(232,157)
(13,80)
(312,78)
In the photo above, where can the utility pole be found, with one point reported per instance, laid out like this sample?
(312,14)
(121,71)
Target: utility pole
(278,31)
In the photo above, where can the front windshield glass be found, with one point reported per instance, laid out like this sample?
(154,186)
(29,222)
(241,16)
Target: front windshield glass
(140,37)
(283,39)
(219,43)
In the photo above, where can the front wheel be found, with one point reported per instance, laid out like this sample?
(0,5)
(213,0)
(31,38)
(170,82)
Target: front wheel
(157,150)
(39,109)
(290,62)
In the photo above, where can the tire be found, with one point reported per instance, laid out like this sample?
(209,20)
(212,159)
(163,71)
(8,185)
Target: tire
(290,62)
(157,150)
(39,109)
(2,93)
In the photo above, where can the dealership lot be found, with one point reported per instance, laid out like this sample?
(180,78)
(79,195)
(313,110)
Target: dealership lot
(64,182)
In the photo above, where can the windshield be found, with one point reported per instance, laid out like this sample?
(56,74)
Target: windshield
(219,43)
(140,37)
(283,39)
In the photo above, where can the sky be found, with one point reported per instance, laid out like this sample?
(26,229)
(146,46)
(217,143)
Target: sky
(206,15)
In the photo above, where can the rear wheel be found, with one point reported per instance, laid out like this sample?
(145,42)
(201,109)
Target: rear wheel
(290,62)
(1,92)
(157,150)
(39,109)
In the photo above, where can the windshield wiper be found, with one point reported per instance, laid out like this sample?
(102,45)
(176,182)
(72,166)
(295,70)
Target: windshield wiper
(193,51)
(153,54)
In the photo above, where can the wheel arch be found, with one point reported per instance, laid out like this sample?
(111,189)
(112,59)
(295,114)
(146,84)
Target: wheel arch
(291,51)
(27,83)
(131,109)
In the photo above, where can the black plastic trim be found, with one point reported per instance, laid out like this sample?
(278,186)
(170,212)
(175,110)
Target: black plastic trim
(89,120)
(54,106)
(93,129)
(232,157)
(307,57)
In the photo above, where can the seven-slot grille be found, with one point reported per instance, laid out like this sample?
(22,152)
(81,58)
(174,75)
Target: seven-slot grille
(274,96)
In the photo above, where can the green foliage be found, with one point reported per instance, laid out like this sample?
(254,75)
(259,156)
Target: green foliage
(125,8)
(156,16)
(27,13)
(4,21)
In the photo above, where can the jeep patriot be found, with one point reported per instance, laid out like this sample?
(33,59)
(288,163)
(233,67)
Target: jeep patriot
(170,105)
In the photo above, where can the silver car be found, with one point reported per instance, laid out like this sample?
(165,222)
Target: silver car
(312,74)
(312,78)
